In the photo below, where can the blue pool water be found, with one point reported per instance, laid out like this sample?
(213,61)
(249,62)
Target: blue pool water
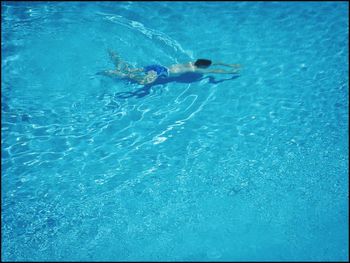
(217,168)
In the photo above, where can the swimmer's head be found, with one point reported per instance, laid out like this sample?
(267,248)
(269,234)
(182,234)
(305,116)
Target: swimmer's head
(202,63)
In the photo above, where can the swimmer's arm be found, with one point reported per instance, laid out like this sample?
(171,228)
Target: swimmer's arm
(227,65)
(218,71)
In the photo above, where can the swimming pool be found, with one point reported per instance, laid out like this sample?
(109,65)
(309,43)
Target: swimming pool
(216,168)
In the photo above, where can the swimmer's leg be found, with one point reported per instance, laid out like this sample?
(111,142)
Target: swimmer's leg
(112,73)
(117,73)
(118,62)
(121,65)
(115,58)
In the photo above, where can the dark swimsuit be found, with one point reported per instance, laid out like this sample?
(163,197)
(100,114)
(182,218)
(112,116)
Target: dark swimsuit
(162,71)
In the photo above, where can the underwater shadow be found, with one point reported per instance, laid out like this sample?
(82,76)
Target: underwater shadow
(184,78)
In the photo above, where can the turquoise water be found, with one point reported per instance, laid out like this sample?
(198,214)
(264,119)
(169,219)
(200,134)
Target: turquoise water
(201,168)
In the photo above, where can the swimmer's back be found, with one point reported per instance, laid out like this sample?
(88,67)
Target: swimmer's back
(181,68)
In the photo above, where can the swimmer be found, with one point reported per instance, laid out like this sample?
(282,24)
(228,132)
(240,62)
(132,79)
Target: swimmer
(151,73)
